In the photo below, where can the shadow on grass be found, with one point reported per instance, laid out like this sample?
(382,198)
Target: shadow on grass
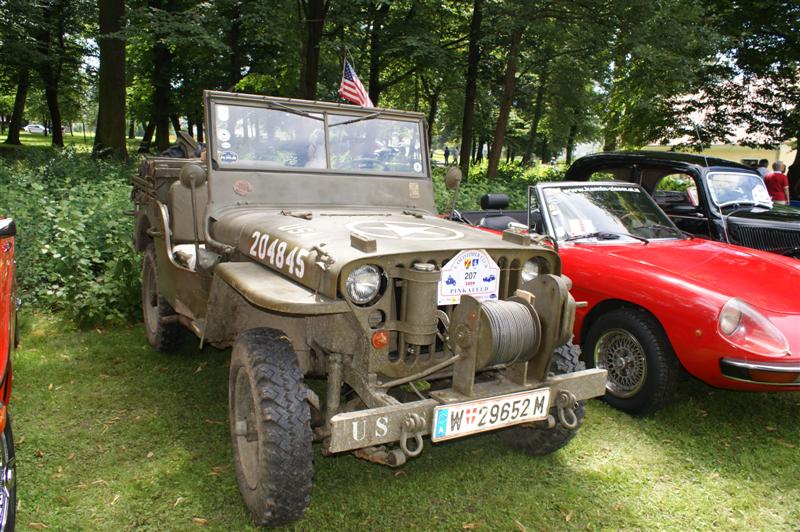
(114,435)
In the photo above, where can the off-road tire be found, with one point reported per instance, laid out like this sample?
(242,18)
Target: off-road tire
(661,366)
(8,516)
(275,470)
(164,337)
(542,441)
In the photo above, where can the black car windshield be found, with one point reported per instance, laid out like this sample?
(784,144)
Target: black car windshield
(285,137)
(729,188)
(603,212)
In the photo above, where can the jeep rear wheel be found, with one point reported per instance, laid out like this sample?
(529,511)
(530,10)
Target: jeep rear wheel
(164,337)
(537,441)
(270,423)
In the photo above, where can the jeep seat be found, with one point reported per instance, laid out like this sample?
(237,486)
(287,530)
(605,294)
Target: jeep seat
(180,212)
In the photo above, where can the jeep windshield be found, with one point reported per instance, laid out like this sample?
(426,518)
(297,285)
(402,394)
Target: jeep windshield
(284,137)
(602,212)
(738,188)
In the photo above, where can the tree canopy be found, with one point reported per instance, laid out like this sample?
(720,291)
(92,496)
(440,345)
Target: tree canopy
(527,79)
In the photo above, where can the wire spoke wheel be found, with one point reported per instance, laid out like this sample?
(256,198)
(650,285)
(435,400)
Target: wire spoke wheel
(621,354)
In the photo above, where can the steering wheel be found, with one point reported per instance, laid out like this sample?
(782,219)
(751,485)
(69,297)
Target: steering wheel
(366,162)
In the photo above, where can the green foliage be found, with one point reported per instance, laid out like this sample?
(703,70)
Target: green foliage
(74,248)
(512,179)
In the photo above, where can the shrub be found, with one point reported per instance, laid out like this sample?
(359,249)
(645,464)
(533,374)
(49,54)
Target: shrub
(74,249)
(512,179)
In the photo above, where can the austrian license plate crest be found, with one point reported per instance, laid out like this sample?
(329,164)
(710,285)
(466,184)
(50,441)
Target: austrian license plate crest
(462,419)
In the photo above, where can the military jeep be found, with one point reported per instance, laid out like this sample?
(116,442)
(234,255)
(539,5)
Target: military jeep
(306,237)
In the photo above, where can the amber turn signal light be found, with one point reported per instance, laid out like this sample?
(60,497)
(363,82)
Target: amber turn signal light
(774,376)
(380,339)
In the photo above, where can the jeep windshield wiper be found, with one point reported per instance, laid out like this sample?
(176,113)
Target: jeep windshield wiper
(354,120)
(605,235)
(294,111)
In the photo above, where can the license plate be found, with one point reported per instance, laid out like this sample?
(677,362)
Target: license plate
(461,419)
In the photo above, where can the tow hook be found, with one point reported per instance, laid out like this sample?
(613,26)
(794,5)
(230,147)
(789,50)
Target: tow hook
(566,403)
(413,424)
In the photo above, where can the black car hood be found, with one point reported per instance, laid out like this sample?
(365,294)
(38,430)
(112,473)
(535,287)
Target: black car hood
(779,216)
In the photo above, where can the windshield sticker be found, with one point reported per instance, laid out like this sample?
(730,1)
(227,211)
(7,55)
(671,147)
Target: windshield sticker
(228,157)
(223,135)
(417,167)
(413,190)
(242,187)
(580,226)
(222,113)
(472,272)
(224,145)
(404,231)
(605,188)
(760,194)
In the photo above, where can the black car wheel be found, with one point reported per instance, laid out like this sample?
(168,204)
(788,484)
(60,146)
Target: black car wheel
(270,422)
(642,368)
(537,441)
(8,479)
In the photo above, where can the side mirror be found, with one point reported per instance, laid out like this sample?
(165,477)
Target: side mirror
(192,174)
(7,227)
(452,178)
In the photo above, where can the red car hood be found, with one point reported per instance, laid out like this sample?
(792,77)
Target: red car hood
(765,280)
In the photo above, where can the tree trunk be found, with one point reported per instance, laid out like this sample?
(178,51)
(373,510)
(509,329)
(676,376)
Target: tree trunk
(573,132)
(375,51)
(110,132)
(176,123)
(161,107)
(200,129)
(147,138)
(794,175)
(473,60)
(189,126)
(313,13)
(51,97)
(509,84)
(530,147)
(132,129)
(15,124)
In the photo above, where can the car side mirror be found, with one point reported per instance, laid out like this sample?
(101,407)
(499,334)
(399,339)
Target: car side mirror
(192,174)
(452,178)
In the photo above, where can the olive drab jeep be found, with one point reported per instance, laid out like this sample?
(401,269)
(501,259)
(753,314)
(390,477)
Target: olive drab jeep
(306,237)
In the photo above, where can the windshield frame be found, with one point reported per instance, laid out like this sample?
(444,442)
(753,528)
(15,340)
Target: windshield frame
(712,194)
(549,227)
(324,110)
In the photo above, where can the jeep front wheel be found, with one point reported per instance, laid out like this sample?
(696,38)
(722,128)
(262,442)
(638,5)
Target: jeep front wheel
(162,335)
(538,441)
(270,422)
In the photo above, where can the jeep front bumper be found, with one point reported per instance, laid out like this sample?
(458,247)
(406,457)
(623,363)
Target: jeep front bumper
(396,423)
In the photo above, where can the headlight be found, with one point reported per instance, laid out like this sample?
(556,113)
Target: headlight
(363,284)
(745,327)
(530,270)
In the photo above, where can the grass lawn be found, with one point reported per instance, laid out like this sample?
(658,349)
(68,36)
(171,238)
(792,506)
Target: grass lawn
(112,435)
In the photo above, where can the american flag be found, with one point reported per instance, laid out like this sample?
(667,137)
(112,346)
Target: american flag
(352,89)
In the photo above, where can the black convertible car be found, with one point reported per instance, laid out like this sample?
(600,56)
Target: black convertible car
(708,197)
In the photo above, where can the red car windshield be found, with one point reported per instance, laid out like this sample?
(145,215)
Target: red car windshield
(594,211)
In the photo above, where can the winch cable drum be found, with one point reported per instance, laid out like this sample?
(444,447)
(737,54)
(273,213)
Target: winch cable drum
(515,332)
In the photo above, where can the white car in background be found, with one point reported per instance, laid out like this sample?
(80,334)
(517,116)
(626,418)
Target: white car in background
(34,128)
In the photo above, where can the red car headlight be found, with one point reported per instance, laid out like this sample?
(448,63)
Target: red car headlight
(745,327)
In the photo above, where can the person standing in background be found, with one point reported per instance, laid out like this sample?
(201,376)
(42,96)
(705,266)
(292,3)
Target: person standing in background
(762,167)
(778,184)
(455,154)
(446,154)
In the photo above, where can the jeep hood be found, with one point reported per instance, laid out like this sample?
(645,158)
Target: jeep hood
(347,235)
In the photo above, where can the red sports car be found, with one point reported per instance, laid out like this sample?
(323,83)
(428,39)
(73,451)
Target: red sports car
(8,307)
(659,299)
